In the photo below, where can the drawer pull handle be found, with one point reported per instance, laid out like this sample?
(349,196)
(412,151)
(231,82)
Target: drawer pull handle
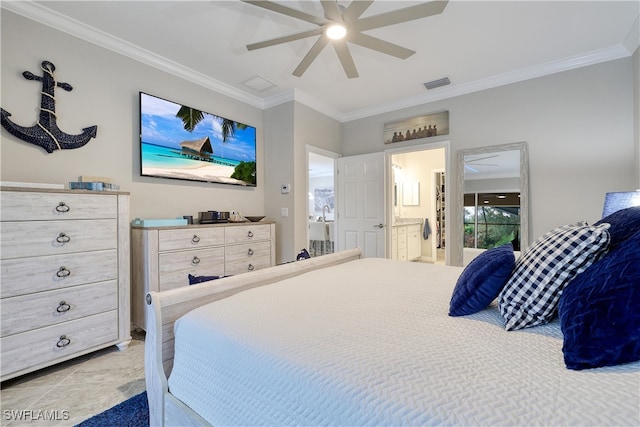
(250,252)
(63,272)
(63,307)
(250,234)
(63,207)
(251,267)
(195,239)
(63,238)
(195,260)
(63,342)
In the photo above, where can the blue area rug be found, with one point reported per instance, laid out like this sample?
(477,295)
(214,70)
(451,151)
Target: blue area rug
(133,412)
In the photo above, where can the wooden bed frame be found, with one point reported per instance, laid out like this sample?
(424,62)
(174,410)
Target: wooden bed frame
(164,308)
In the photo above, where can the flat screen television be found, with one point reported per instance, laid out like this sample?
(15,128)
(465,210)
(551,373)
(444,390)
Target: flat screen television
(181,142)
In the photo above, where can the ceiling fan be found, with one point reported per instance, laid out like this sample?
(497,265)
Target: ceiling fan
(344,24)
(469,163)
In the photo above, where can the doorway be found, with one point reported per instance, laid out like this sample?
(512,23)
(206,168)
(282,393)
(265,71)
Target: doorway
(321,206)
(418,210)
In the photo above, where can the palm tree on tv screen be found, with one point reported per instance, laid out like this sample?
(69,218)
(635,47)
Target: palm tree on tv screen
(191,117)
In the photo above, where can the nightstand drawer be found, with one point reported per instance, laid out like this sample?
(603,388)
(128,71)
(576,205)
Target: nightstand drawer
(27,312)
(30,275)
(40,347)
(175,267)
(36,238)
(247,233)
(169,240)
(33,206)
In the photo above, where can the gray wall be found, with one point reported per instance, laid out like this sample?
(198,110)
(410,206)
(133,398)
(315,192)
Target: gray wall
(289,128)
(579,126)
(105,93)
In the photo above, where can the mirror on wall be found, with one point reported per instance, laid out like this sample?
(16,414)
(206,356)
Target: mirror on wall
(411,193)
(493,198)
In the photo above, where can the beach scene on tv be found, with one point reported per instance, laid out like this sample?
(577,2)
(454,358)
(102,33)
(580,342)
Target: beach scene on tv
(181,142)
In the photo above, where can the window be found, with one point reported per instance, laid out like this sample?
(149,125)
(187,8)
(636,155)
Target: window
(491,219)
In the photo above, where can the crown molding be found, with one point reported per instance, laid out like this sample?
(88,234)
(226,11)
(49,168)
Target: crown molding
(541,70)
(51,18)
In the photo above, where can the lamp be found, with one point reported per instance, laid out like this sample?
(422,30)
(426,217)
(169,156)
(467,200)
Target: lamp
(620,200)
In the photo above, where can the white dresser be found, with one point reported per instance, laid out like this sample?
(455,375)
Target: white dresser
(65,275)
(163,257)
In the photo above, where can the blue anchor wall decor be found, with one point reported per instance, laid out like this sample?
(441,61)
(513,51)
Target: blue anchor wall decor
(46,133)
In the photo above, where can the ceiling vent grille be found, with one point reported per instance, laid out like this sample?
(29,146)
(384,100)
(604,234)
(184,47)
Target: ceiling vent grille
(437,83)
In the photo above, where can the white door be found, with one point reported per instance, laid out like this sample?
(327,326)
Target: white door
(361,204)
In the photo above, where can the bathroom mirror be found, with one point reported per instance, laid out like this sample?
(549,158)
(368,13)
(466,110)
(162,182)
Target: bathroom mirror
(411,193)
(493,199)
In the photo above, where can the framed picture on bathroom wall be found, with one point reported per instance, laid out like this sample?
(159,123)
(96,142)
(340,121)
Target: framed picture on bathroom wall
(428,126)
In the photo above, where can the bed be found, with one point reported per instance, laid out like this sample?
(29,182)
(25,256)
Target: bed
(342,340)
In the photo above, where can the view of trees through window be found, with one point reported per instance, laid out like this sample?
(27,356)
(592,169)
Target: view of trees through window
(491,219)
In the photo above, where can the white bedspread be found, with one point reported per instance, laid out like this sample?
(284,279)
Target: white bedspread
(370,343)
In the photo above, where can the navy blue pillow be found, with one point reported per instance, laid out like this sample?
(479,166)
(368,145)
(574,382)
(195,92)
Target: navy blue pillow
(600,310)
(199,279)
(481,280)
(624,223)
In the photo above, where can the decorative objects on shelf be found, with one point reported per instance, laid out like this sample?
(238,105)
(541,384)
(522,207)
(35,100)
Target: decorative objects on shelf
(417,128)
(45,132)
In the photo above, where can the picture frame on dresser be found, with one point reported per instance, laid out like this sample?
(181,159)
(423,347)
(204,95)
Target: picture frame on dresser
(65,255)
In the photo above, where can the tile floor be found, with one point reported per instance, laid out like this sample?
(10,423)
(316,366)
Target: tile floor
(75,390)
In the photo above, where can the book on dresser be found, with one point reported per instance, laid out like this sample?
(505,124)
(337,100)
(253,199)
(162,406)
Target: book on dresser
(65,287)
(164,257)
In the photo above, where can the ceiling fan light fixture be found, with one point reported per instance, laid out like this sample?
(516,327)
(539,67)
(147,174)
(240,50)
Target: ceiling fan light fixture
(336,31)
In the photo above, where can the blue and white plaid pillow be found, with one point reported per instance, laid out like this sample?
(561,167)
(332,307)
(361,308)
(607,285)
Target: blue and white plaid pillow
(531,294)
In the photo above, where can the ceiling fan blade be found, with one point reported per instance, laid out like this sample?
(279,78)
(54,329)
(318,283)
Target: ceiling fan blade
(346,60)
(467,167)
(294,13)
(310,56)
(285,39)
(410,13)
(379,45)
(355,9)
(331,10)
(477,159)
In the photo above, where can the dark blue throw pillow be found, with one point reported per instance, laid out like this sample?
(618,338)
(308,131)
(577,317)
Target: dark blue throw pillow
(199,279)
(600,310)
(481,280)
(624,223)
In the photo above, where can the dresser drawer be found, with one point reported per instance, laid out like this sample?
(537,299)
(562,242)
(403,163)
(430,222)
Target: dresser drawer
(247,233)
(175,267)
(43,346)
(169,240)
(27,312)
(36,238)
(29,275)
(30,206)
(247,257)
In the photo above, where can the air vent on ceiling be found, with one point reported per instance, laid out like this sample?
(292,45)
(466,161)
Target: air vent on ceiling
(437,83)
(258,84)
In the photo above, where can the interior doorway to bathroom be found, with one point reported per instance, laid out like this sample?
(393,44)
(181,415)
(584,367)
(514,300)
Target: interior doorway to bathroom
(418,211)
(321,190)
